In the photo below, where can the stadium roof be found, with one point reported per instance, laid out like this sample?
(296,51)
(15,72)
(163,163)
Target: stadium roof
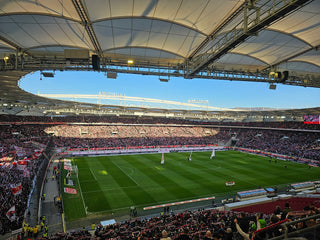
(265,41)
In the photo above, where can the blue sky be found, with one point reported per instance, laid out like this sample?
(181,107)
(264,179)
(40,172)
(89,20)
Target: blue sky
(219,93)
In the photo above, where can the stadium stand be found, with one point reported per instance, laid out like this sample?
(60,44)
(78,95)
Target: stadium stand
(23,137)
(192,225)
(22,167)
(273,42)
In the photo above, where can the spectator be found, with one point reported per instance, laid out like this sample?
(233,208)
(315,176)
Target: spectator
(164,235)
(285,211)
(208,235)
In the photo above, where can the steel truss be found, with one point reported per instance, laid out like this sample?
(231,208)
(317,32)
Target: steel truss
(254,19)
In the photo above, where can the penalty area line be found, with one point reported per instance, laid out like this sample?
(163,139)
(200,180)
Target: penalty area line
(125,173)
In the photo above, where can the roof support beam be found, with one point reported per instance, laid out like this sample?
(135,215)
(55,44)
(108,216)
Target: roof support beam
(225,41)
(12,44)
(165,71)
(221,26)
(87,24)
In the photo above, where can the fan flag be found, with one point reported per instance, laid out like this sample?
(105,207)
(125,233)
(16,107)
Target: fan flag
(38,153)
(23,162)
(16,189)
(11,214)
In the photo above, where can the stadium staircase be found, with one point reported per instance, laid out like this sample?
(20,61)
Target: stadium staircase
(232,141)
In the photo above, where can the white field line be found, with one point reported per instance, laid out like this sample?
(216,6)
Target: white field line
(125,173)
(84,204)
(93,174)
(143,205)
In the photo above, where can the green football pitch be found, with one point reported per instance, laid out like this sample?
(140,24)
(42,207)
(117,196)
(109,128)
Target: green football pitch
(111,184)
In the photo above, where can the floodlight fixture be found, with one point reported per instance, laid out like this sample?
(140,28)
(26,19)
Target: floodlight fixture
(112,75)
(279,76)
(130,61)
(163,79)
(48,74)
(272,86)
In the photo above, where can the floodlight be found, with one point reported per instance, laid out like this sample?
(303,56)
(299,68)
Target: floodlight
(130,61)
(48,74)
(164,80)
(112,75)
(273,87)
(280,76)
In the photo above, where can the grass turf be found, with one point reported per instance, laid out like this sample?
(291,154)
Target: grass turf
(114,183)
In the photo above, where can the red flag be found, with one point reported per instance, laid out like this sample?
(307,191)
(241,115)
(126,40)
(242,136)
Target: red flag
(38,153)
(23,162)
(16,189)
(11,214)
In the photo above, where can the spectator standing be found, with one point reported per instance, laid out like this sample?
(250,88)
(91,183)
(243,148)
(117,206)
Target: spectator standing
(164,235)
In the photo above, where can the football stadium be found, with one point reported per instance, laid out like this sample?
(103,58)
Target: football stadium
(153,158)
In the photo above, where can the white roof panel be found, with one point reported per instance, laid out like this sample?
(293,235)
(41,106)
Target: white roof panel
(120,8)
(190,43)
(97,9)
(31,31)
(233,58)
(303,24)
(299,66)
(312,57)
(271,46)
(53,7)
(212,14)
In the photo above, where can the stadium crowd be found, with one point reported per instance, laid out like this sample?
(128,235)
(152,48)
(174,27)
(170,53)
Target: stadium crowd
(16,182)
(21,147)
(199,224)
(125,136)
(298,144)
(154,120)
(120,131)
(13,137)
(11,220)
(292,143)
(21,137)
